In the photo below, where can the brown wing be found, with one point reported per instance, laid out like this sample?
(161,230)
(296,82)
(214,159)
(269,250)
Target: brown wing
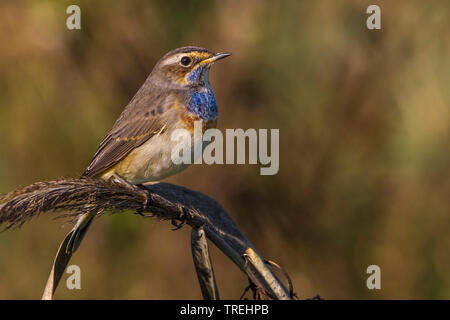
(142,119)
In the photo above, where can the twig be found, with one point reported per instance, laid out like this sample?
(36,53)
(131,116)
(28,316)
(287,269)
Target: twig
(292,294)
(266,284)
(203,264)
(59,265)
(166,201)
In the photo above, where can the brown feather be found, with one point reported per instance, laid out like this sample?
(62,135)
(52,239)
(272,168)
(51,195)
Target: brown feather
(146,115)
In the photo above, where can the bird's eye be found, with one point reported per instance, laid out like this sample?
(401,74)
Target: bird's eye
(185,61)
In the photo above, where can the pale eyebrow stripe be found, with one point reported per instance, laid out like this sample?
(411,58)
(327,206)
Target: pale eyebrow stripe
(173,59)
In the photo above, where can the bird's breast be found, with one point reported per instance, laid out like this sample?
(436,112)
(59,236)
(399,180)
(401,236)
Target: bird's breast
(200,106)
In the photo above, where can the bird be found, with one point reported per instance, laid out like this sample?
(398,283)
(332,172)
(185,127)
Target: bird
(137,149)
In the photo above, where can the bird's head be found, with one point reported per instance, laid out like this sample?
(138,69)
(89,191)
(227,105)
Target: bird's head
(187,66)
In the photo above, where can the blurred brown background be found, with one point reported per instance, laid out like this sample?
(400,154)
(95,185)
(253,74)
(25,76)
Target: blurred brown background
(364,141)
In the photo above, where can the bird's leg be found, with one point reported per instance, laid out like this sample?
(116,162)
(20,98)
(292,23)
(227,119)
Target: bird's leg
(124,183)
(135,188)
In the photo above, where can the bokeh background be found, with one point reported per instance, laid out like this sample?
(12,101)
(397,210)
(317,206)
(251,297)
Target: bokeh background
(364,141)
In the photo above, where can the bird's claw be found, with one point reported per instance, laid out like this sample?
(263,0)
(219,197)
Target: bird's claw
(140,211)
(178,225)
(183,218)
(142,214)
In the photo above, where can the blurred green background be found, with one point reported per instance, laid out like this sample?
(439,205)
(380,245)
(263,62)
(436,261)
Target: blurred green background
(364,141)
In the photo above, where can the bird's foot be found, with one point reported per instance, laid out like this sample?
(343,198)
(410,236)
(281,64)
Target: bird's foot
(140,211)
(140,188)
(184,216)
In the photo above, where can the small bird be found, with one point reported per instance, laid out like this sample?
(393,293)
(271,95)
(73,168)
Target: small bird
(138,147)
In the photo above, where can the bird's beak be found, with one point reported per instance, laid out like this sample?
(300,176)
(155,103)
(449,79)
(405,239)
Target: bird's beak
(216,57)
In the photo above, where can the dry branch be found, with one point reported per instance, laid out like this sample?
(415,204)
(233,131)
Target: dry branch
(203,264)
(74,197)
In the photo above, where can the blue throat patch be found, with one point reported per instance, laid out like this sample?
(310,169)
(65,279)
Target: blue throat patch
(203,104)
(195,76)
